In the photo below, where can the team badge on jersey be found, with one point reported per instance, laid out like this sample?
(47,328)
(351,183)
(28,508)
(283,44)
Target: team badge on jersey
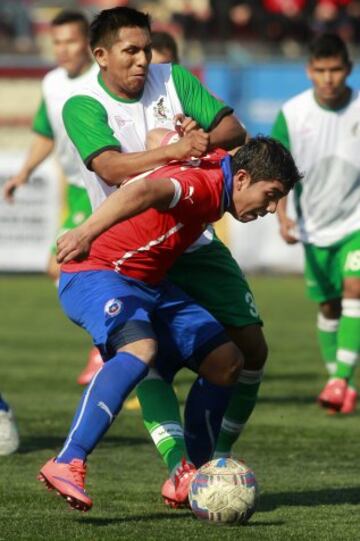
(113,307)
(161,112)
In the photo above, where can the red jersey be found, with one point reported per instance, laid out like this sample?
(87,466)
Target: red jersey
(147,245)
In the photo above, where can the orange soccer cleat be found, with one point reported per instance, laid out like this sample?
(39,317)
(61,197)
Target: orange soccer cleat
(68,480)
(94,363)
(349,404)
(333,394)
(175,492)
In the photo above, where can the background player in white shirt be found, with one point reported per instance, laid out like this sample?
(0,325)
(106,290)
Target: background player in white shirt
(321,127)
(69,32)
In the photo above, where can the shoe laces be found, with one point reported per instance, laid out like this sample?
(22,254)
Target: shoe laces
(78,469)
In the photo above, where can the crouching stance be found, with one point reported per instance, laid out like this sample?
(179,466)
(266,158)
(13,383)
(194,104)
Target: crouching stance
(136,318)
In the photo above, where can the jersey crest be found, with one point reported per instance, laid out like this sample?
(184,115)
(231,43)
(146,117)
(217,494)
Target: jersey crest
(160,111)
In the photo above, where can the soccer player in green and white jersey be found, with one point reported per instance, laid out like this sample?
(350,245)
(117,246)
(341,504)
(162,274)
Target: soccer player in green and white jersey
(321,127)
(69,32)
(108,121)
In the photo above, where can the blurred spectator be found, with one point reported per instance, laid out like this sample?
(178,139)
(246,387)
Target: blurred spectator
(15,27)
(285,23)
(332,16)
(284,20)
(103,4)
(193,16)
(352,11)
(235,18)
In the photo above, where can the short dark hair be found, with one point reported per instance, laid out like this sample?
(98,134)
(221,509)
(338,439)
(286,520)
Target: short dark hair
(104,28)
(265,158)
(328,45)
(163,41)
(67,17)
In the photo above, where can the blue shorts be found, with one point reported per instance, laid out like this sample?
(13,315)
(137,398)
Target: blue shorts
(117,310)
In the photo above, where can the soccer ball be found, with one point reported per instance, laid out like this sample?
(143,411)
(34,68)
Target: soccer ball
(224,490)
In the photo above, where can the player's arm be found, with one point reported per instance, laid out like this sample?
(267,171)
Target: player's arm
(228,134)
(41,146)
(213,115)
(115,167)
(133,198)
(287,225)
(86,123)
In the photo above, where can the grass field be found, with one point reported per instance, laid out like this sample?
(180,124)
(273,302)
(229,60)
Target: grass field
(306,463)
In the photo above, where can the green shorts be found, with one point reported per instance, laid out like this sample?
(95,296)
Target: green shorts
(326,267)
(78,210)
(211,276)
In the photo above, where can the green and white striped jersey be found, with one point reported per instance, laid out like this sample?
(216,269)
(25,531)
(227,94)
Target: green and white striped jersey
(57,87)
(325,144)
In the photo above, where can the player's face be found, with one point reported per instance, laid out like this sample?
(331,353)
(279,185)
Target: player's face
(125,65)
(71,48)
(253,200)
(328,76)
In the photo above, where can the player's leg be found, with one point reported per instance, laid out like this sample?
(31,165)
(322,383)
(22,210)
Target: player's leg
(327,328)
(213,278)
(162,418)
(9,436)
(345,275)
(324,287)
(251,341)
(123,331)
(348,350)
(196,340)
(78,210)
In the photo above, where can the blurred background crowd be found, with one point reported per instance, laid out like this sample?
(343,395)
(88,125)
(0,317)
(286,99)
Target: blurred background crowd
(202,27)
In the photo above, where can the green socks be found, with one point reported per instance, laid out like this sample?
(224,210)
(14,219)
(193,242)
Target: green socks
(348,340)
(162,419)
(327,338)
(241,405)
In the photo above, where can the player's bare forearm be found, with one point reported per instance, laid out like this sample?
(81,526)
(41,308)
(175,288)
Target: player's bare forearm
(227,134)
(281,209)
(114,167)
(40,149)
(127,202)
(287,225)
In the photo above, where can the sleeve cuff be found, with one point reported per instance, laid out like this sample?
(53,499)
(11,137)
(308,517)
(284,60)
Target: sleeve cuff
(93,155)
(225,111)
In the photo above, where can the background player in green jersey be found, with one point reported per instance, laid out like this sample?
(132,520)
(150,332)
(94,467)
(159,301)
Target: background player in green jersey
(321,128)
(107,123)
(69,32)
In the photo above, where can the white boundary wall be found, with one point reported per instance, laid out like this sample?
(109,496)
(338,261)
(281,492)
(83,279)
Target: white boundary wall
(257,246)
(28,227)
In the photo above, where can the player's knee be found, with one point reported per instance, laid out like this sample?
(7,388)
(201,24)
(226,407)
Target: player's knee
(144,349)
(251,342)
(223,365)
(352,288)
(331,309)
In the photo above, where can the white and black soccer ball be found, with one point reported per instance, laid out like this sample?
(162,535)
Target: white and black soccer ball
(224,490)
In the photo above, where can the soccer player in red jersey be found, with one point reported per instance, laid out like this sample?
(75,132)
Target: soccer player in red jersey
(120,295)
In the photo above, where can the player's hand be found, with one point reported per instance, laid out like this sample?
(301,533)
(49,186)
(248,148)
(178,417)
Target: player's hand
(184,124)
(287,228)
(193,145)
(12,185)
(74,244)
